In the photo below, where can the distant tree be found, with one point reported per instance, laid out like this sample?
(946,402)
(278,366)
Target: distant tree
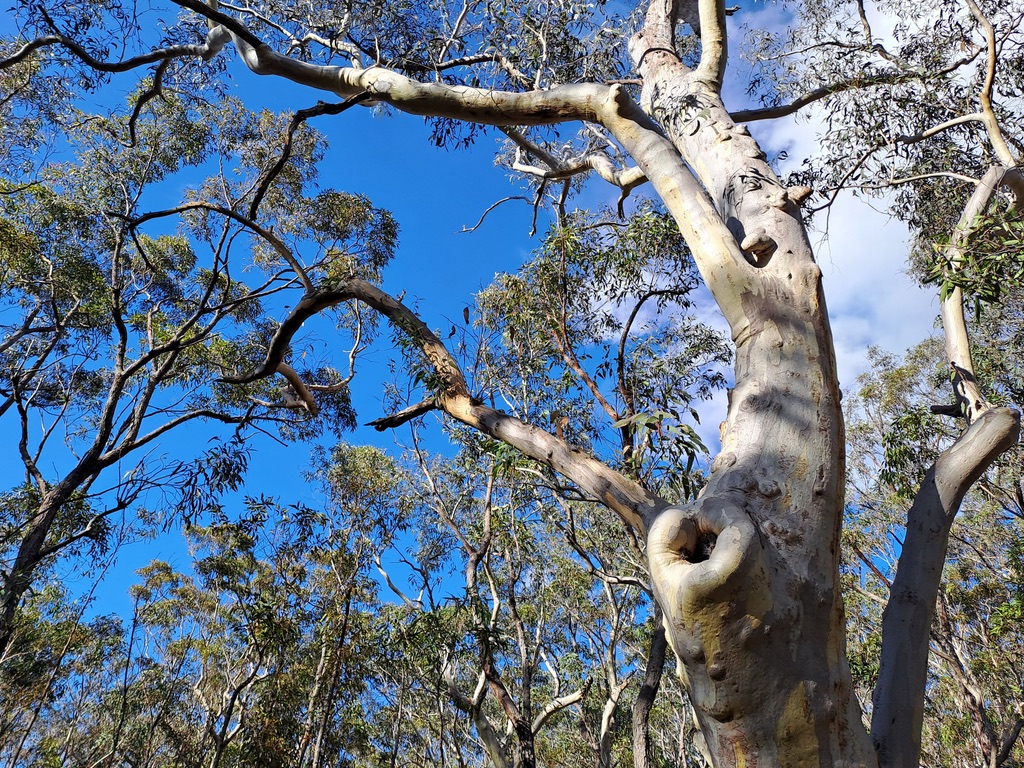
(263,653)
(973,705)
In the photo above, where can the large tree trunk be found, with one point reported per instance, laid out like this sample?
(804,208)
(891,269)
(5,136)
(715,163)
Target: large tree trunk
(748,574)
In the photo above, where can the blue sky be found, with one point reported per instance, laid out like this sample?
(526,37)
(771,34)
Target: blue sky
(434,194)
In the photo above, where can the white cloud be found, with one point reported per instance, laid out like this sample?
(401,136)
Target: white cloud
(863,253)
(861,250)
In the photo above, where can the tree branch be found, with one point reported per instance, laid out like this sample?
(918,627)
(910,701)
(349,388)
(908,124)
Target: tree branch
(995,134)
(1008,742)
(634,504)
(823,92)
(298,119)
(480,105)
(26,50)
(404,415)
(899,693)
(713,46)
(958,345)
(215,41)
(557,705)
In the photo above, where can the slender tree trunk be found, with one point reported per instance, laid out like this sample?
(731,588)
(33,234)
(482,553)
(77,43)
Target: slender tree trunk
(17,581)
(648,693)
(907,621)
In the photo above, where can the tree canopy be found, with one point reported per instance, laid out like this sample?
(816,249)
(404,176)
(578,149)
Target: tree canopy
(834,588)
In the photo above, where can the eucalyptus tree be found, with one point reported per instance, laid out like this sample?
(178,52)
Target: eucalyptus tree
(972,710)
(746,574)
(115,329)
(263,651)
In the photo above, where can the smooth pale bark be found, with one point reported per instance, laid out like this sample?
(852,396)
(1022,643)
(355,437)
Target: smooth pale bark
(759,624)
(907,621)
(747,575)
(753,609)
(958,346)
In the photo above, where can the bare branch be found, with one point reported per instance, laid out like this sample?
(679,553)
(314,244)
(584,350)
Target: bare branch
(995,133)
(958,345)
(416,605)
(298,119)
(155,90)
(856,83)
(491,208)
(626,178)
(1009,741)
(215,41)
(303,393)
(26,50)
(278,244)
(481,105)
(634,504)
(404,415)
(557,705)
(713,46)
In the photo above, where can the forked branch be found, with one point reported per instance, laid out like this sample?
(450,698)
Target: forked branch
(633,503)
(899,694)
(969,399)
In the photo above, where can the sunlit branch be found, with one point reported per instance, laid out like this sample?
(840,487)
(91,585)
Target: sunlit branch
(958,345)
(626,179)
(334,43)
(557,705)
(985,94)
(456,31)
(491,208)
(713,45)
(413,604)
(305,396)
(560,104)
(630,501)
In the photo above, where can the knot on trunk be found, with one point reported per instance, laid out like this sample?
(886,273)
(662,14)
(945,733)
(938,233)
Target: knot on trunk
(703,553)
